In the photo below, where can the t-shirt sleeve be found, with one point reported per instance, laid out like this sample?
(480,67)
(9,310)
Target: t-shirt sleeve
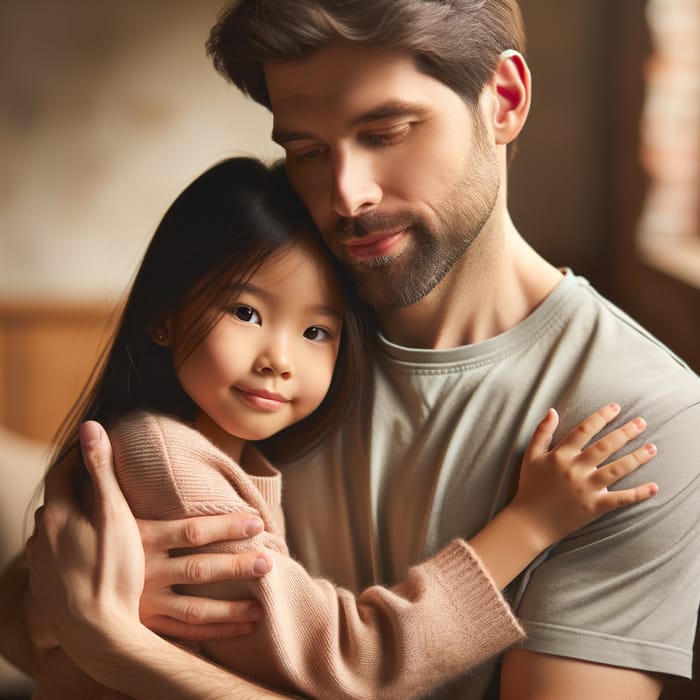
(625,590)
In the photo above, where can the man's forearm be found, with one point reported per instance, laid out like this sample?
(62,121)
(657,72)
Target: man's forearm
(147,666)
(15,639)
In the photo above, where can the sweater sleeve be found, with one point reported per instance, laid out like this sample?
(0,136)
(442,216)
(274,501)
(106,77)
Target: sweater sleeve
(316,639)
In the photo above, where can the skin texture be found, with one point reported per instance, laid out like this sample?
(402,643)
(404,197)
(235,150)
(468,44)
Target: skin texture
(400,200)
(372,187)
(285,328)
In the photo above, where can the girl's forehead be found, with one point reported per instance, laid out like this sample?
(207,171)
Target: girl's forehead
(300,266)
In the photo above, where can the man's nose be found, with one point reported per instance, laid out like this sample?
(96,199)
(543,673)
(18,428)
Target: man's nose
(355,184)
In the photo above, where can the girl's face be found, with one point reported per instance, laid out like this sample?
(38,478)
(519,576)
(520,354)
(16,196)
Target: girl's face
(269,360)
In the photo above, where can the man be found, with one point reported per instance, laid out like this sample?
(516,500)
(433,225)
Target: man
(396,117)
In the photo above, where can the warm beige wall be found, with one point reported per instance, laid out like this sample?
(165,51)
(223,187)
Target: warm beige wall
(107,109)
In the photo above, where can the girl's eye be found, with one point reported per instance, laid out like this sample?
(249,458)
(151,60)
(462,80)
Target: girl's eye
(317,333)
(245,313)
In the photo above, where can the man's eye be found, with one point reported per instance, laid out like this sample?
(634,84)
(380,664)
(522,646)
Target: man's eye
(310,155)
(317,333)
(388,137)
(245,313)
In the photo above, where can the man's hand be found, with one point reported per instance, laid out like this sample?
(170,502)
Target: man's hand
(84,570)
(190,617)
(81,573)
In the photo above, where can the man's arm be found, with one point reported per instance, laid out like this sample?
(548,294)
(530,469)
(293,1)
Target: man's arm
(529,675)
(87,578)
(15,640)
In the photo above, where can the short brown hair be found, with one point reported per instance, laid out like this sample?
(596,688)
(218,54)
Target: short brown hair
(455,41)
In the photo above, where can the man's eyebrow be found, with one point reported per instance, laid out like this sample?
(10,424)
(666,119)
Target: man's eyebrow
(395,108)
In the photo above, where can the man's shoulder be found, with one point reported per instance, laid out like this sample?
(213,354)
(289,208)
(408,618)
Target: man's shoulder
(614,348)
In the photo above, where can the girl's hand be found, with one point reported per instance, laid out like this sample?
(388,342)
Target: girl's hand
(564,488)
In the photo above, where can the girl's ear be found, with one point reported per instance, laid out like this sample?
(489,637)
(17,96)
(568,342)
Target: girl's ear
(160,333)
(512,90)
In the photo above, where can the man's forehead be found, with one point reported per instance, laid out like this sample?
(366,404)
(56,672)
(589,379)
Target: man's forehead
(342,82)
(334,68)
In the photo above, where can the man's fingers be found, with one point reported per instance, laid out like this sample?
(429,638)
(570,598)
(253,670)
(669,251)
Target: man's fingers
(194,610)
(208,568)
(198,633)
(97,456)
(163,535)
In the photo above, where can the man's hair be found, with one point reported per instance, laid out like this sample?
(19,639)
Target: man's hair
(455,41)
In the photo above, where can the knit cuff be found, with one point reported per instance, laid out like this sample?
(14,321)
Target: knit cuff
(481,615)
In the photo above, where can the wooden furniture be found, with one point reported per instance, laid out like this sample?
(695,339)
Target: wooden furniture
(47,351)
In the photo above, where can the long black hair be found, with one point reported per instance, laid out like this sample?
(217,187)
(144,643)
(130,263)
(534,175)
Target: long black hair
(214,236)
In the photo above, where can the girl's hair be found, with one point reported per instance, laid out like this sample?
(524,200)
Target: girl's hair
(455,41)
(214,236)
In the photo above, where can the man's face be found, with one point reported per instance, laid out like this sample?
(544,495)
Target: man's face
(398,173)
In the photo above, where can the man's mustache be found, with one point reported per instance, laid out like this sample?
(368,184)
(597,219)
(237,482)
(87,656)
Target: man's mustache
(371,222)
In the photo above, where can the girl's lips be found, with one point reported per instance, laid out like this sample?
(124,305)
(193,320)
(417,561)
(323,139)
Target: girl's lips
(375,246)
(259,398)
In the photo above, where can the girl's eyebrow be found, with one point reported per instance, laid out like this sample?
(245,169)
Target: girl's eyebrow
(325,310)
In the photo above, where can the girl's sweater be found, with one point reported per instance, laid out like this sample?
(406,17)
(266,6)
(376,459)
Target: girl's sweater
(315,639)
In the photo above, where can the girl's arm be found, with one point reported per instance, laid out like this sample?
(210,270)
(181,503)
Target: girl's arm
(448,615)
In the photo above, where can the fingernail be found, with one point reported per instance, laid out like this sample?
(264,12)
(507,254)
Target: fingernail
(253,526)
(89,433)
(651,449)
(615,407)
(640,423)
(261,565)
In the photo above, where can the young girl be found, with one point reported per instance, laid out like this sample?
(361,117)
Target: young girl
(240,341)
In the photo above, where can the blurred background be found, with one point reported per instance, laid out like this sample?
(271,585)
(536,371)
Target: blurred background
(108,109)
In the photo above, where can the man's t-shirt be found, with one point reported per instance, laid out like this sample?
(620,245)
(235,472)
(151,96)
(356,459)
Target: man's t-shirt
(437,454)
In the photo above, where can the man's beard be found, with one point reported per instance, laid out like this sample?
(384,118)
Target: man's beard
(403,279)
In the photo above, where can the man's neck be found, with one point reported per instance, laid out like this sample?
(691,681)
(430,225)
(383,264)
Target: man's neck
(497,284)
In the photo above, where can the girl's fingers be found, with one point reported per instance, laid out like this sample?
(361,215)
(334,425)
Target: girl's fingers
(588,428)
(542,437)
(613,500)
(600,450)
(610,473)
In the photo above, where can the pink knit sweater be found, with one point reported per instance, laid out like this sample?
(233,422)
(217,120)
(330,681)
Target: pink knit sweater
(315,639)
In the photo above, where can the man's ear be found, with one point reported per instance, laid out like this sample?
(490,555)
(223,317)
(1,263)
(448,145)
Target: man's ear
(512,88)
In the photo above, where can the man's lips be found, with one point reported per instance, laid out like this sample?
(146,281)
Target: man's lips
(375,245)
(260,398)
